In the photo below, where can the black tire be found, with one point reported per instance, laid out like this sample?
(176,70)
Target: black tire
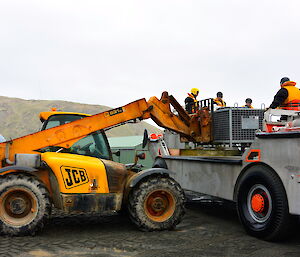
(156,203)
(24,205)
(262,204)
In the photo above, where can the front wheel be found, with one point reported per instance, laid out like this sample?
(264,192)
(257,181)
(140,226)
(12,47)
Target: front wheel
(262,204)
(24,205)
(156,203)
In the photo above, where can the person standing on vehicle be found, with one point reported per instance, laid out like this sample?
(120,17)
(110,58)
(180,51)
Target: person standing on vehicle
(191,103)
(288,97)
(248,103)
(219,100)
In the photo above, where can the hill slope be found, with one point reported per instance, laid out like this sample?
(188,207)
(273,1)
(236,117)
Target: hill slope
(20,117)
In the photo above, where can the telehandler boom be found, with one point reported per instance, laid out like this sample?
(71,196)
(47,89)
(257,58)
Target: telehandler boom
(67,134)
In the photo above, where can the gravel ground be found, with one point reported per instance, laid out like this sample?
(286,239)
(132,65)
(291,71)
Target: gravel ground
(207,230)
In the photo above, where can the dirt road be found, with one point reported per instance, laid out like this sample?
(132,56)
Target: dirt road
(207,230)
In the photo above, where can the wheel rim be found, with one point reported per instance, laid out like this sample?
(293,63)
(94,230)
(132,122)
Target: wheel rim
(159,205)
(259,203)
(18,206)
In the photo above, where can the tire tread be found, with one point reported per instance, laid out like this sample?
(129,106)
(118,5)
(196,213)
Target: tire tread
(136,199)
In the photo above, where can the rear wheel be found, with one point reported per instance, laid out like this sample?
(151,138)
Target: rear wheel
(24,205)
(262,204)
(156,203)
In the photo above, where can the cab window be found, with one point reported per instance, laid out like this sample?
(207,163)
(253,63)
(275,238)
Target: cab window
(57,120)
(94,145)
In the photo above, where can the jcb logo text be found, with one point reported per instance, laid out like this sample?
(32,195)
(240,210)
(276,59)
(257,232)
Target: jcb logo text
(74,177)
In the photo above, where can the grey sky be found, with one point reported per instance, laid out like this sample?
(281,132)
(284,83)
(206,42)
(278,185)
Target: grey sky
(113,52)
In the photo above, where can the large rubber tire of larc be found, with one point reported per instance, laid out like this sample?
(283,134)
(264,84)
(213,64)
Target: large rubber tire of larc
(24,205)
(262,204)
(156,203)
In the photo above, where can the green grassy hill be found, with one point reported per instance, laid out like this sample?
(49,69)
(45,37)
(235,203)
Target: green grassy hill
(20,117)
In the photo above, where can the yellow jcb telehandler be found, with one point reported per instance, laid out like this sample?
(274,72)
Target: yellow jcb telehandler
(68,164)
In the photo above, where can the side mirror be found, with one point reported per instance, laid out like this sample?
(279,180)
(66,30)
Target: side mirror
(145,139)
(117,153)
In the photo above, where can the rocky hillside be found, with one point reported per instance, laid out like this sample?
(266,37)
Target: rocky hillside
(20,117)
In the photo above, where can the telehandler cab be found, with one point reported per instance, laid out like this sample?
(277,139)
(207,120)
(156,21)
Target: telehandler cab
(69,164)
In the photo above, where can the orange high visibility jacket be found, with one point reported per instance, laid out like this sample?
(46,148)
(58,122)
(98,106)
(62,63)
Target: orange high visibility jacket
(220,103)
(292,102)
(191,105)
(246,106)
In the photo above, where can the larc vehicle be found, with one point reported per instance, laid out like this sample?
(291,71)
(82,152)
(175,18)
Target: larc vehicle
(252,160)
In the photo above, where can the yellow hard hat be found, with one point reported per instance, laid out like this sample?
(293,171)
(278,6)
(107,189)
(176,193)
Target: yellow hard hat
(194,91)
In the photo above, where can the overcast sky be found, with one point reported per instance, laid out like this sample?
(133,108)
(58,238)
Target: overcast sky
(114,52)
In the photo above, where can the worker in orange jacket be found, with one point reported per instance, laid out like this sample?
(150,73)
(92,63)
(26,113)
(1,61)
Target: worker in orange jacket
(219,100)
(288,97)
(248,103)
(191,103)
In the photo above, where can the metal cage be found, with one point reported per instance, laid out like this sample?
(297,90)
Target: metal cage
(236,125)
